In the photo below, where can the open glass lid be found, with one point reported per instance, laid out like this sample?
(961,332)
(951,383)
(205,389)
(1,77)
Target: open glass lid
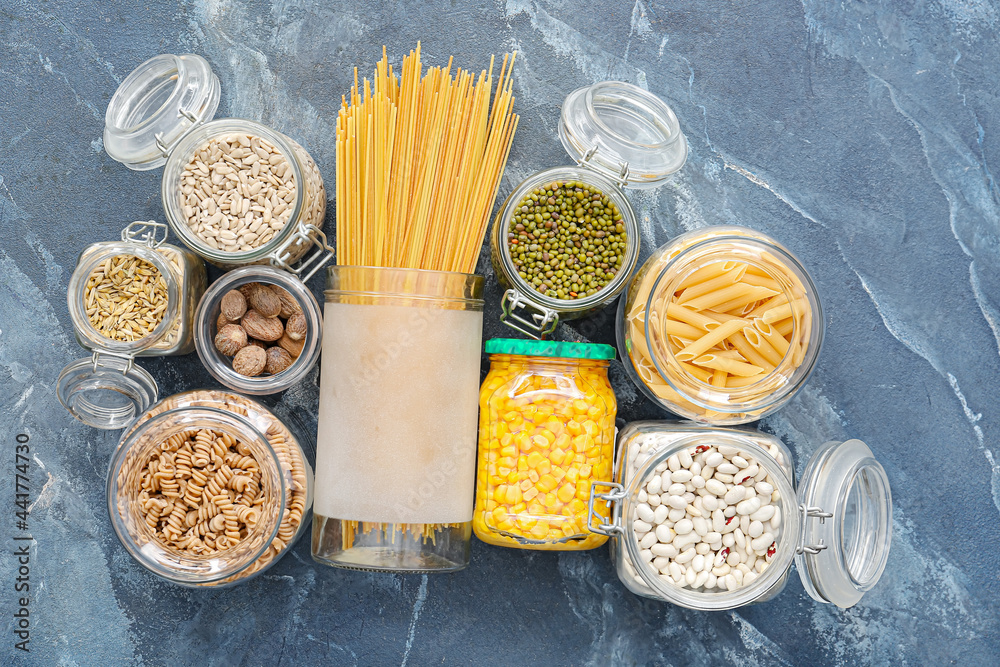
(623,132)
(846,508)
(106,391)
(157,104)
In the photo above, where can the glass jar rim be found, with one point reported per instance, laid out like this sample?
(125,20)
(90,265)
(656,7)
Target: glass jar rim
(471,284)
(174,568)
(608,188)
(786,547)
(712,398)
(183,151)
(77,288)
(633,90)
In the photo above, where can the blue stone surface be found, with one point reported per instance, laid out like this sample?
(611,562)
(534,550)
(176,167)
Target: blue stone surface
(862,135)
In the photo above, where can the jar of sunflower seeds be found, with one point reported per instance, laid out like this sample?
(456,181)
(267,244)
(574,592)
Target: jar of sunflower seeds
(234,190)
(130,298)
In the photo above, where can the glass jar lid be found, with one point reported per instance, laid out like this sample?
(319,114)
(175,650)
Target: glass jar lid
(545,348)
(623,132)
(156,105)
(106,391)
(846,508)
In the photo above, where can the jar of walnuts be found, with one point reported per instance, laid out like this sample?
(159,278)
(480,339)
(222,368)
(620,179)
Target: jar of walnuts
(258,330)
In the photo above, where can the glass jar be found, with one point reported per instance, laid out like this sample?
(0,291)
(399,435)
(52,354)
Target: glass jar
(162,113)
(395,457)
(837,528)
(620,136)
(727,283)
(305,352)
(106,390)
(262,469)
(546,430)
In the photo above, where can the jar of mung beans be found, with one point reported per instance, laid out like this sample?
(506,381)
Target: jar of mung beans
(566,239)
(130,298)
(709,518)
(234,190)
(546,432)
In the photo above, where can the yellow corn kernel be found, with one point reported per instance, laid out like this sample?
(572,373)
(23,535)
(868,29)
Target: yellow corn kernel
(514,494)
(529,412)
(594,412)
(522,441)
(506,525)
(555,426)
(602,470)
(578,507)
(491,505)
(500,493)
(534,458)
(539,530)
(536,509)
(582,443)
(546,483)
(591,428)
(562,441)
(558,473)
(513,418)
(530,494)
(503,471)
(522,462)
(566,492)
(518,508)
(583,490)
(572,475)
(540,441)
(525,485)
(506,439)
(551,501)
(557,456)
(569,528)
(513,478)
(544,467)
(492,455)
(508,451)
(533,475)
(574,427)
(499,513)
(580,406)
(507,462)
(526,522)
(586,470)
(544,411)
(593,452)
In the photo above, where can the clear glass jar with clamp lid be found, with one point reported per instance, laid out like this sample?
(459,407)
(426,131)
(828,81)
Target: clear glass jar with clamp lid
(130,298)
(709,518)
(235,191)
(620,136)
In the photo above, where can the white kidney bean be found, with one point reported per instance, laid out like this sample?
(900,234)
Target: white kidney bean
(714,459)
(702,548)
(748,506)
(654,500)
(664,534)
(640,526)
(735,495)
(681,476)
(660,514)
(716,487)
(648,540)
(677,502)
(673,463)
(728,540)
(700,526)
(698,482)
(690,577)
(653,485)
(660,563)
(756,529)
(763,488)
(761,543)
(676,490)
(645,513)
(701,579)
(683,527)
(676,515)
(665,550)
(764,513)
(685,458)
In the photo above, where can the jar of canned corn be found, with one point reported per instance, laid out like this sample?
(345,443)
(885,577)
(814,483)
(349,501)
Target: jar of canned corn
(546,432)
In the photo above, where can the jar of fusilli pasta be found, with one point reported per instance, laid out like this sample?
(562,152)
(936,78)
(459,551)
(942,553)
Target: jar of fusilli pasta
(722,325)
(209,488)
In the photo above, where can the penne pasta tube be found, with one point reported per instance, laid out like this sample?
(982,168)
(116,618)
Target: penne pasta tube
(711,339)
(700,373)
(708,272)
(731,366)
(740,342)
(776,340)
(726,279)
(767,305)
(719,378)
(678,328)
(784,327)
(700,320)
(679,343)
(753,294)
(757,341)
(724,295)
(761,281)
(785,310)
(737,382)
(729,354)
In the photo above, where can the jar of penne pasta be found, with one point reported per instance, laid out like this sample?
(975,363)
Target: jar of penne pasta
(566,239)
(209,488)
(234,191)
(546,430)
(130,298)
(721,325)
(709,518)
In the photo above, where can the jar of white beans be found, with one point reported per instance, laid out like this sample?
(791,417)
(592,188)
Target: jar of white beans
(709,518)
(722,325)
(209,488)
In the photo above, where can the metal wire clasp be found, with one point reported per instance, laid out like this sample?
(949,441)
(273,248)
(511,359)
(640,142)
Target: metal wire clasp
(612,498)
(309,234)
(542,323)
(118,366)
(161,145)
(621,177)
(145,233)
(815,513)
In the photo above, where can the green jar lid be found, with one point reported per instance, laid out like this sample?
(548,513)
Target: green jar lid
(549,348)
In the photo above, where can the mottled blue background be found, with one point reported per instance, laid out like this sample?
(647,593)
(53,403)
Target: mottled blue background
(860,134)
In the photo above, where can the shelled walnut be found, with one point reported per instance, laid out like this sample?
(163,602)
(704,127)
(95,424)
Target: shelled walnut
(257,315)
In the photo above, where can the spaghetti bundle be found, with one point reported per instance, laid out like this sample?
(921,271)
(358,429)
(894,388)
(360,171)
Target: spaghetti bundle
(419,161)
